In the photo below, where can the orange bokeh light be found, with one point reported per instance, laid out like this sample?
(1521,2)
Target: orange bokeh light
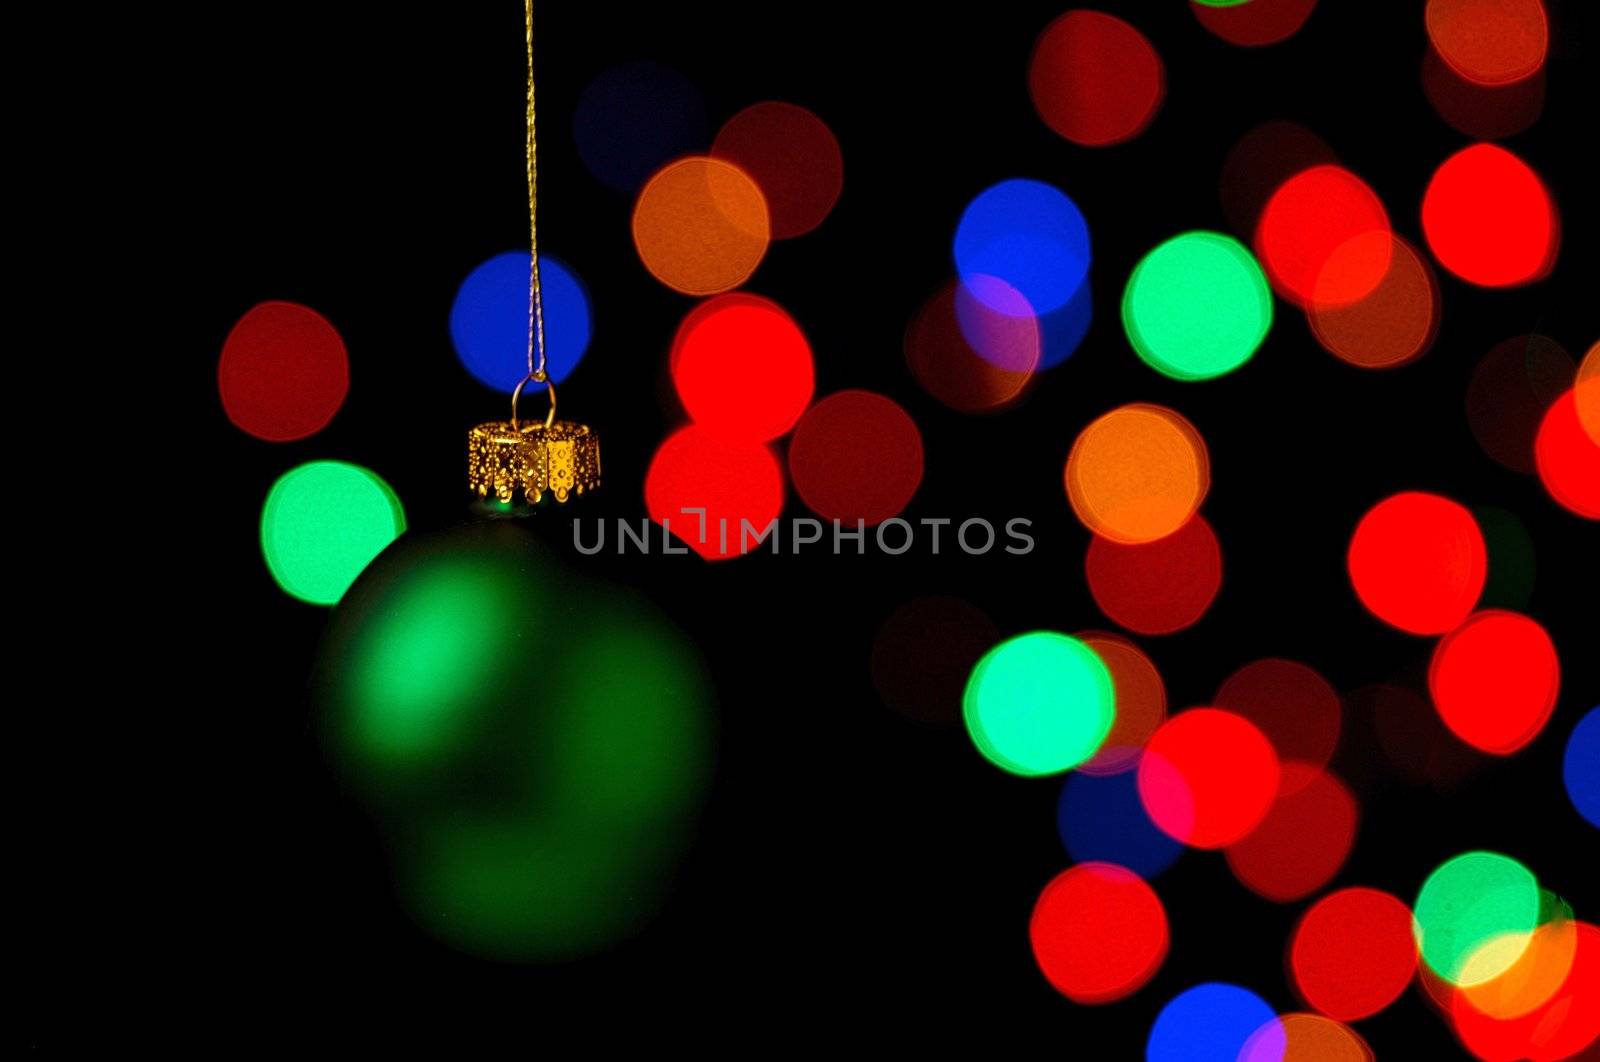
(1491,42)
(701,226)
(1392,324)
(1137,474)
(1141,702)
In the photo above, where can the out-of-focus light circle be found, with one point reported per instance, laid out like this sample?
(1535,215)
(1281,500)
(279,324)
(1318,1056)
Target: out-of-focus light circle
(1255,23)
(1489,219)
(1141,705)
(1562,1028)
(982,374)
(1197,306)
(1028,234)
(1391,325)
(1467,902)
(1098,933)
(1259,164)
(1304,840)
(1290,703)
(1305,1038)
(322,524)
(1586,393)
(856,455)
(736,481)
(489,319)
(283,373)
(1137,473)
(700,226)
(1491,42)
(633,118)
(792,155)
(1208,777)
(1482,112)
(1512,563)
(1039,703)
(1418,562)
(1156,587)
(1568,458)
(1101,819)
(1353,953)
(1314,215)
(1580,767)
(1494,680)
(1536,975)
(1210,1022)
(1510,390)
(1413,738)
(923,654)
(1095,79)
(742,367)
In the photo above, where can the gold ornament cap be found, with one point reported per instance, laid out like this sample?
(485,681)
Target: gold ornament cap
(507,456)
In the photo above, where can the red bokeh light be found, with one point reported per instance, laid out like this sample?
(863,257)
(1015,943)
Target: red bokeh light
(1568,457)
(283,373)
(1304,840)
(1098,932)
(855,456)
(1482,112)
(1095,79)
(949,367)
(1566,1025)
(792,156)
(1208,777)
(1494,680)
(1418,562)
(1312,215)
(1257,23)
(1489,219)
(1489,42)
(1141,702)
(742,367)
(1353,953)
(1157,587)
(1290,703)
(1259,164)
(731,479)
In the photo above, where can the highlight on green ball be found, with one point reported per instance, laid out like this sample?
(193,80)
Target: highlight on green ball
(1040,703)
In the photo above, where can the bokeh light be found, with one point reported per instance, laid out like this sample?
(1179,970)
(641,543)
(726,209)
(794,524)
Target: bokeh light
(1009,339)
(1304,839)
(1512,563)
(1099,933)
(1566,1025)
(283,372)
(1510,390)
(1260,163)
(322,523)
(1290,703)
(856,456)
(1029,235)
(1039,703)
(489,319)
(1306,1038)
(984,374)
(1491,42)
(1208,777)
(1482,112)
(1141,704)
(1137,473)
(1394,323)
(1211,1021)
(923,654)
(1568,458)
(1102,819)
(1353,953)
(1494,680)
(1489,219)
(1536,975)
(735,481)
(1471,900)
(1413,738)
(1156,587)
(1095,79)
(742,367)
(634,118)
(792,155)
(1587,393)
(1197,306)
(700,226)
(1418,562)
(1255,23)
(1314,215)
(1580,767)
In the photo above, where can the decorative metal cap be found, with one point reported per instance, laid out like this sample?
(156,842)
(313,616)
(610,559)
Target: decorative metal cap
(562,458)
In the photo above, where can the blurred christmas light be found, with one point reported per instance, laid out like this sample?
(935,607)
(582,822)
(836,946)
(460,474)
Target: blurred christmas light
(322,523)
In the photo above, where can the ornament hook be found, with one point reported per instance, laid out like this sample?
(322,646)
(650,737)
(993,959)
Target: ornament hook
(536,376)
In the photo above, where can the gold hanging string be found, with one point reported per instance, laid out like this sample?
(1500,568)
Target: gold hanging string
(535,300)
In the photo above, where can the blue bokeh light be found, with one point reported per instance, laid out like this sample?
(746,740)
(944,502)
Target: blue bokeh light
(1029,235)
(1580,768)
(1102,820)
(634,118)
(489,319)
(1213,1022)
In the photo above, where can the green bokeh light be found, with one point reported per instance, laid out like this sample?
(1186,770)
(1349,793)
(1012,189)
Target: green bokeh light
(1474,915)
(322,523)
(1197,306)
(1039,703)
(1512,563)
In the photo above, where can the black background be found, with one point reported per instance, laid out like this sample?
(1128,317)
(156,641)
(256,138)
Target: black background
(855,874)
